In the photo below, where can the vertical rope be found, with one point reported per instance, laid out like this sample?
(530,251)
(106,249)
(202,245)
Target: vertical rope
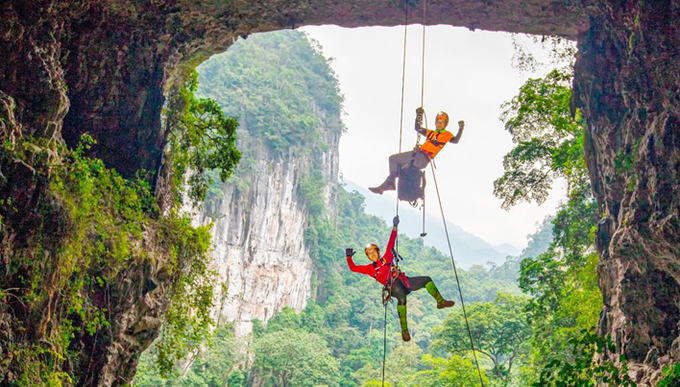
(384,345)
(401,131)
(460,292)
(403,79)
(422,77)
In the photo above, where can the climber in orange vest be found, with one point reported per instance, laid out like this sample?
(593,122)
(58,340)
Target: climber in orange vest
(421,156)
(398,284)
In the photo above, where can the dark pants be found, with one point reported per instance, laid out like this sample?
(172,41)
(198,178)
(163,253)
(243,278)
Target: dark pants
(399,291)
(420,160)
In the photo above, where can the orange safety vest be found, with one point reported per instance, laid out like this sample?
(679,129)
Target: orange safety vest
(435,142)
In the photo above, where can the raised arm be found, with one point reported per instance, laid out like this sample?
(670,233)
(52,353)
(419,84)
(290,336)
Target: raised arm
(456,138)
(393,238)
(363,269)
(419,122)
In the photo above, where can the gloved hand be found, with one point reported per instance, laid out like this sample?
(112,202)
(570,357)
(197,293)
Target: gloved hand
(395,221)
(419,116)
(461,124)
(349,252)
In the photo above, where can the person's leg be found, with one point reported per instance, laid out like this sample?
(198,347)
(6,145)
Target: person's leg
(427,283)
(420,160)
(399,292)
(399,160)
(395,162)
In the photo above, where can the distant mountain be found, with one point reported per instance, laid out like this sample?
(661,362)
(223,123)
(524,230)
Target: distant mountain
(508,249)
(468,249)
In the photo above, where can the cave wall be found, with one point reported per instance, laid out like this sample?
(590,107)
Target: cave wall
(103,66)
(628,86)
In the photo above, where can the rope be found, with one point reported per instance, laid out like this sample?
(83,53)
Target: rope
(401,131)
(403,80)
(460,292)
(422,77)
(384,345)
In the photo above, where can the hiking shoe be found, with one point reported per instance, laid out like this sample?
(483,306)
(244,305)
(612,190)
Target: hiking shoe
(377,190)
(405,336)
(387,185)
(445,304)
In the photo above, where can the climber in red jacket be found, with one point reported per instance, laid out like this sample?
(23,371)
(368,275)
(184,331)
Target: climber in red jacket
(383,270)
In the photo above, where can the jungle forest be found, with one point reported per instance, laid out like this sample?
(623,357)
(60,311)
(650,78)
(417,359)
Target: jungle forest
(532,319)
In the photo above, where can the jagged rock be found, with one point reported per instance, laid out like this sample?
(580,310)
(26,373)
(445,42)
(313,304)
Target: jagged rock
(627,78)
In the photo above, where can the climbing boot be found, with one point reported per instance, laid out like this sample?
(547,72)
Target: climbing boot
(445,304)
(387,185)
(434,292)
(401,311)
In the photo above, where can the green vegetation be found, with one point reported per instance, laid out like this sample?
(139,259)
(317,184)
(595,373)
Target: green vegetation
(499,330)
(671,376)
(532,318)
(294,357)
(581,370)
(549,141)
(276,84)
(201,139)
(87,239)
(562,281)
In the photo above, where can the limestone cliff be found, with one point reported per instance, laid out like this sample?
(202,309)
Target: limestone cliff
(260,216)
(258,238)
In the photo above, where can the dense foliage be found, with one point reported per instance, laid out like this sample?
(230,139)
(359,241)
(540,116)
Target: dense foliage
(562,281)
(339,333)
(201,138)
(280,88)
(542,337)
(88,233)
(347,318)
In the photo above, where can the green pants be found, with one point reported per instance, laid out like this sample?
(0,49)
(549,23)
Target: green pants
(400,292)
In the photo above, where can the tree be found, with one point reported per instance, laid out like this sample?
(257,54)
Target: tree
(499,330)
(292,357)
(401,363)
(549,141)
(201,138)
(213,365)
(451,372)
(562,280)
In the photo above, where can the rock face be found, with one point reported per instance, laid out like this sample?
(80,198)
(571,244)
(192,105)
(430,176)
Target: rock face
(258,235)
(101,66)
(628,85)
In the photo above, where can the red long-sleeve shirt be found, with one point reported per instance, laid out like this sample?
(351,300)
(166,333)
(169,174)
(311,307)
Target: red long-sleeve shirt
(379,270)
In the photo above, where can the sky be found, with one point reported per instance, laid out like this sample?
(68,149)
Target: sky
(467,74)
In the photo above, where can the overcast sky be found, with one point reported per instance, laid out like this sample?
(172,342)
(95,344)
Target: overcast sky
(468,75)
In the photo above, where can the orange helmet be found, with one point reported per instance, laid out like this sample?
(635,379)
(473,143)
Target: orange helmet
(372,252)
(443,116)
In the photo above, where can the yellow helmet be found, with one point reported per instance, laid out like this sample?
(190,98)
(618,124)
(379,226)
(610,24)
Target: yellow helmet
(372,252)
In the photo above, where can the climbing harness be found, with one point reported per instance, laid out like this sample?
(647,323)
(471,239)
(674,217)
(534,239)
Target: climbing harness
(395,275)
